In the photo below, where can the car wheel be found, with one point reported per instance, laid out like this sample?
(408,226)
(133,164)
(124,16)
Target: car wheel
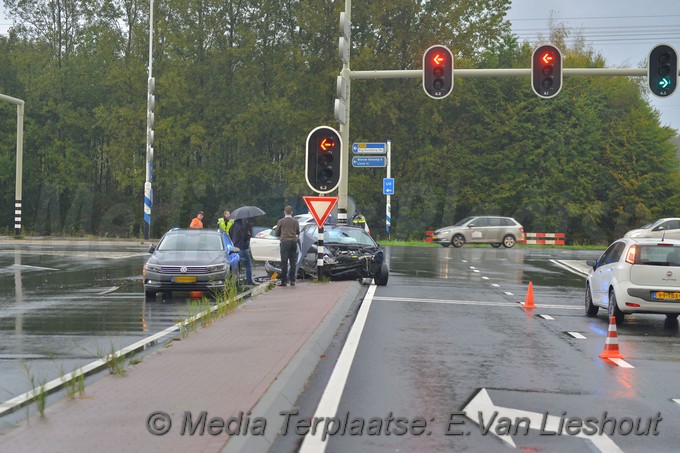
(509,241)
(614,309)
(382,275)
(496,245)
(458,240)
(671,316)
(150,294)
(591,309)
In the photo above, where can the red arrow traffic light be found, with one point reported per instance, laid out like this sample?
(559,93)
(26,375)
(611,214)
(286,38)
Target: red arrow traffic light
(546,71)
(326,143)
(437,71)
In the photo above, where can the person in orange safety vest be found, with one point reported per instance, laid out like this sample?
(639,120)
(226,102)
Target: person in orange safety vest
(197,222)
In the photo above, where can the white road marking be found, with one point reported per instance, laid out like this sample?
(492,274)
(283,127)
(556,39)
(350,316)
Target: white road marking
(330,400)
(548,317)
(622,363)
(577,335)
(676,400)
(475,270)
(482,404)
(472,267)
(508,293)
(465,261)
(472,302)
(495,285)
(485,278)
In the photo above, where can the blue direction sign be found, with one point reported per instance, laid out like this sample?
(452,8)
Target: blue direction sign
(388,186)
(369,148)
(372,161)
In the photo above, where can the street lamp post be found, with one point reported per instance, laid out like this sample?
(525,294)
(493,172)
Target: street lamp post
(148,191)
(20,158)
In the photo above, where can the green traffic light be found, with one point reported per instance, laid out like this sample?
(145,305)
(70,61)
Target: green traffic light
(664,82)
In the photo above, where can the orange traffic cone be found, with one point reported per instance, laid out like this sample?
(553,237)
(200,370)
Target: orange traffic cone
(611,344)
(529,300)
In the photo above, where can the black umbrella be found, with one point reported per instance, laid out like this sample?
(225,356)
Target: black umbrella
(246,212)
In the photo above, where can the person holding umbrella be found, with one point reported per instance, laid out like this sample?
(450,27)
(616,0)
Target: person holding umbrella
(240,234)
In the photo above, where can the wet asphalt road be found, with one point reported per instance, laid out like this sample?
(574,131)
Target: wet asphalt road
(448,330)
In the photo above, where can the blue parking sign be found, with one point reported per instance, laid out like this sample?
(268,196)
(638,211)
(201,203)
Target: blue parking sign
(388,186)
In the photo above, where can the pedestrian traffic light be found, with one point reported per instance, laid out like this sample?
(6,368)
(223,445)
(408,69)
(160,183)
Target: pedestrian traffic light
(662,70)
(546,71)
(437,72)
(323,159)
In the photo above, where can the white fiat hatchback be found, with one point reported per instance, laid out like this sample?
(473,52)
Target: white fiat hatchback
(635,276)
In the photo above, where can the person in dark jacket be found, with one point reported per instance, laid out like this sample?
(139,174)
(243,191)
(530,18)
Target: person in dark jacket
(288,229)
(240,235)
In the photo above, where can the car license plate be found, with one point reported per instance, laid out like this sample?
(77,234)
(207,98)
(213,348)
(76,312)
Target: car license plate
(184,279)
(663,295)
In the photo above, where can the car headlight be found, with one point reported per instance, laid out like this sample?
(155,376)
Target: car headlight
(441,232)
(217,267)
(152,267)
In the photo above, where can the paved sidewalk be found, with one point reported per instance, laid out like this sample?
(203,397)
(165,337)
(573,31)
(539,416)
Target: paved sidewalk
(255,360)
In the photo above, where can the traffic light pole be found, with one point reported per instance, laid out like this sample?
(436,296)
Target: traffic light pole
(343,188)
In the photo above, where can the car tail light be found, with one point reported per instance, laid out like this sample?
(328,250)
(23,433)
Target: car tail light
(632,305)
(630,256)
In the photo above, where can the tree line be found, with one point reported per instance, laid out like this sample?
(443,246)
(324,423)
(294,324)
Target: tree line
(240,83)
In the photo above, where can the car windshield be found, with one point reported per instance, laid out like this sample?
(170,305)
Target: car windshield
(189,241)
(347,236)
(463,222)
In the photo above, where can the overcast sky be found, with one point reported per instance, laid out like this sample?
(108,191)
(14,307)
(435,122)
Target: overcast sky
(623,31)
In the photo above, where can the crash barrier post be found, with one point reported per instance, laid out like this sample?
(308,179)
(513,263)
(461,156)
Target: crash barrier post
(543,238)
(428,236)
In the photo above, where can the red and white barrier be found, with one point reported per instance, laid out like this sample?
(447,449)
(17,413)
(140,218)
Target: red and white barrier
(543,238)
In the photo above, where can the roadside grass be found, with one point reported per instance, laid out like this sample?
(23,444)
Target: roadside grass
(39,390)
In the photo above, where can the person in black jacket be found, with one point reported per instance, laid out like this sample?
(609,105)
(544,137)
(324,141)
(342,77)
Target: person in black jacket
(240,235)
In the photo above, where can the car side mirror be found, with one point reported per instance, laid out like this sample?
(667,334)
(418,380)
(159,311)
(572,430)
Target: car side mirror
(471,225)
(592,263)
(659,228)
(152,248)
(234,249)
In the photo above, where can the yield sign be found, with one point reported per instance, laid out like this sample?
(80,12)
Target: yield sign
(320,207)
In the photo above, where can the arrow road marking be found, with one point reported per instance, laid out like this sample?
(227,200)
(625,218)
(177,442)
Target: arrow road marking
(481,404)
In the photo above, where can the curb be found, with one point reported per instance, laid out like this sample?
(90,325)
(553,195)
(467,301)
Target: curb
(285,390)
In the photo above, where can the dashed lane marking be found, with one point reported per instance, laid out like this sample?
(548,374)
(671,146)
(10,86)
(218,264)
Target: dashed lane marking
(622,363)
(576,335)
